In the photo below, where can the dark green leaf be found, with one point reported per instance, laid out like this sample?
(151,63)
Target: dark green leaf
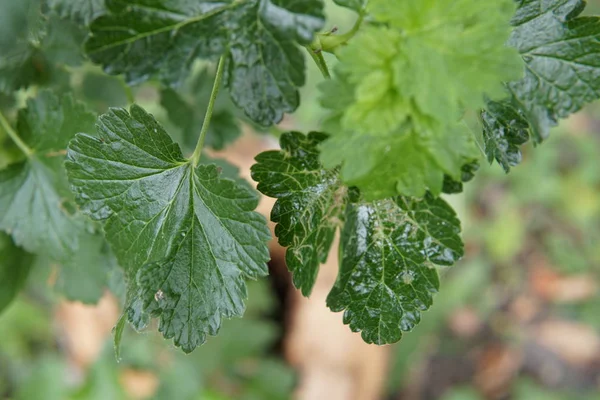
(34,194)
(452,186)
(142,38)
(186,236)
(561,52)
(310,203)
(387,274)
(505,129)
(14,270)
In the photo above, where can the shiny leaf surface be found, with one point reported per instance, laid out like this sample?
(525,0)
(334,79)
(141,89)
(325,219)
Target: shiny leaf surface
(561,51)
(387,274)
(265,67)
(505,129)
(310,203)
(187,237)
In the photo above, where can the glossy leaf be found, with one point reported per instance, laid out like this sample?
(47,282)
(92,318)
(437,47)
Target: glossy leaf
(35,199)
(264,68)
(505,129)
(389,250)
(562,56)
(187,237)
(310,203)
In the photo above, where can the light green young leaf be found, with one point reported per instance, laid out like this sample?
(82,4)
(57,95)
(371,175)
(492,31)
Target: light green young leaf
(382,166)
(394,103)
(389,251)
(142,38)
(310,203)
(35,199)
(187,237)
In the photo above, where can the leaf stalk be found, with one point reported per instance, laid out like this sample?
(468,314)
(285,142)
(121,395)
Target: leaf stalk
(14,136)
(195,158)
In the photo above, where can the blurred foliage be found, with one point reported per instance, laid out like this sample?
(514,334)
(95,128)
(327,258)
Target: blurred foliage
(544,216)
(236,364)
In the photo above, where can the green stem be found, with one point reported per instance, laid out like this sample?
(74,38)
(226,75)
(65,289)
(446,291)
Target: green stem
(330,42)
(317,56)
(209,111)
(15,138)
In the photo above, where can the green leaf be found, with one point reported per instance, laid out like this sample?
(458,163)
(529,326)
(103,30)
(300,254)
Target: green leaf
(505,129)
(452,186)
(142,38)
(394,124)
(21,62)
(310,203)
(562,57)
(80,11)
(382,166)
(387,276)
(84,277)
(187,111)
(561,54)
(35,199)
(14,270)
(187,237)
(33,46)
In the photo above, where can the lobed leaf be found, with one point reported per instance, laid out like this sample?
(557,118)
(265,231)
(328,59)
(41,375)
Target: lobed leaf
(258,38)
(387,273)
(310,203)
(561,53)
(389,248)
(393,124)
(187,237)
